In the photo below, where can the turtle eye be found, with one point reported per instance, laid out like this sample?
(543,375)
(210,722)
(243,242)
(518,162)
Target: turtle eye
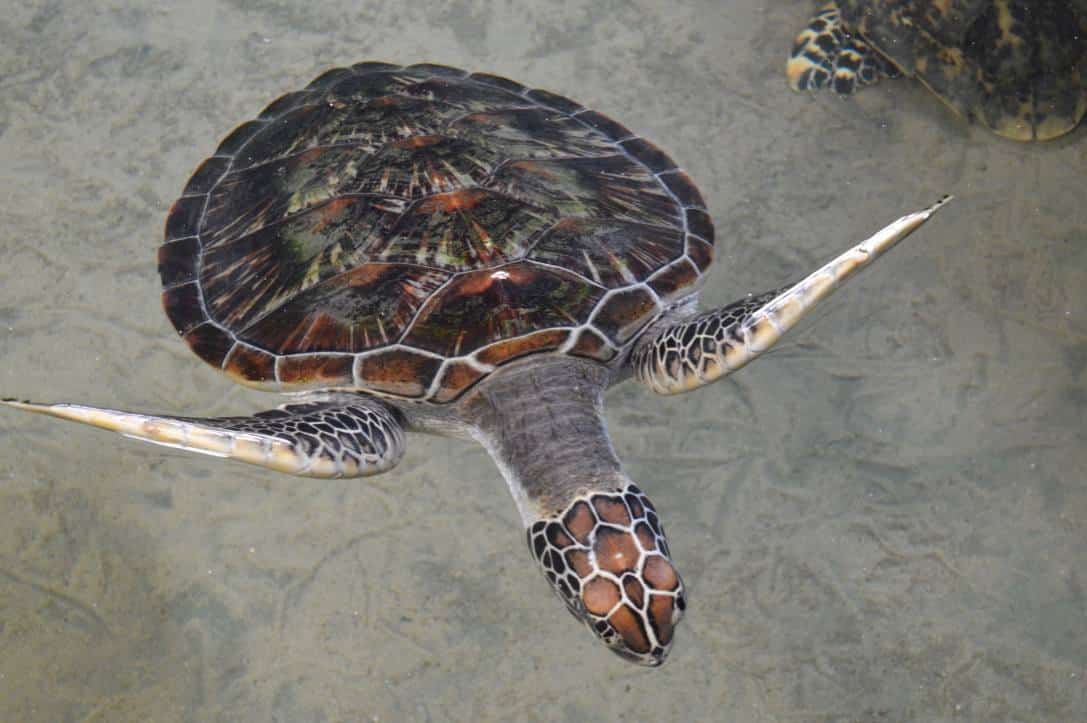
(606,557)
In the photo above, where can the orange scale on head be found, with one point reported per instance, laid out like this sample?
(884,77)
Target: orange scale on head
(600,595)
(646,537)
(611,509)
(634,589)
(578,560)
(661,611)
(616,551)
(659,574)
(629,626)
(579,520)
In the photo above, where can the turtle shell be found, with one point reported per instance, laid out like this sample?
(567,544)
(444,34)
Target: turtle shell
(406,230)
(1017,66)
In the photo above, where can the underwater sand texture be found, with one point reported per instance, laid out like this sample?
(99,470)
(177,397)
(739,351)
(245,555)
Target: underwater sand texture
(884,520)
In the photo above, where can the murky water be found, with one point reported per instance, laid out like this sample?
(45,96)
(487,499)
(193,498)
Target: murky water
(886,520)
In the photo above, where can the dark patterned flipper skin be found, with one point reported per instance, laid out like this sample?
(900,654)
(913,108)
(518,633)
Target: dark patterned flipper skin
(826,55)
(327,435)
(689,353)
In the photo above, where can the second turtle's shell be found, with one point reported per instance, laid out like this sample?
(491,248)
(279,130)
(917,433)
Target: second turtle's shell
(405,231)
(1018,66)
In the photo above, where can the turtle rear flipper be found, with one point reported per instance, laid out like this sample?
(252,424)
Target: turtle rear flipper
(327,437)
(826,55)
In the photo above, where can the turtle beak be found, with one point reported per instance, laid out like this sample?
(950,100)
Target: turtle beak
(606,557)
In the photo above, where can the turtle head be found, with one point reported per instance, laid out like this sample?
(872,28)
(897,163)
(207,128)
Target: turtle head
(606,557)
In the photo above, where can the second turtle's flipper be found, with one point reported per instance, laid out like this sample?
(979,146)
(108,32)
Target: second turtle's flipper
(340,436)
(825,55)
(690,354)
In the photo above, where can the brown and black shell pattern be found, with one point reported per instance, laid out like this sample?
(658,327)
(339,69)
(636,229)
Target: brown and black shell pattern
(406,230)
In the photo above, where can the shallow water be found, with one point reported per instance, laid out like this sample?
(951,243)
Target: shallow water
(885,520)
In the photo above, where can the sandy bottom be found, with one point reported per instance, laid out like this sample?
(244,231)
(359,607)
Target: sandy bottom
(884,521)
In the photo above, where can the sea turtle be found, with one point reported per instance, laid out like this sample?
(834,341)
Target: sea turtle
(423,249)
(1017,66)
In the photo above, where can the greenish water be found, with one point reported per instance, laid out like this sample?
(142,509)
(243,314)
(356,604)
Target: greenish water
(885,520)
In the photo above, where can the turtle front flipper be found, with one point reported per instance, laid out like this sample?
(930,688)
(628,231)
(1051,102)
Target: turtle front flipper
(825,54)
(693,353)
(329,436)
